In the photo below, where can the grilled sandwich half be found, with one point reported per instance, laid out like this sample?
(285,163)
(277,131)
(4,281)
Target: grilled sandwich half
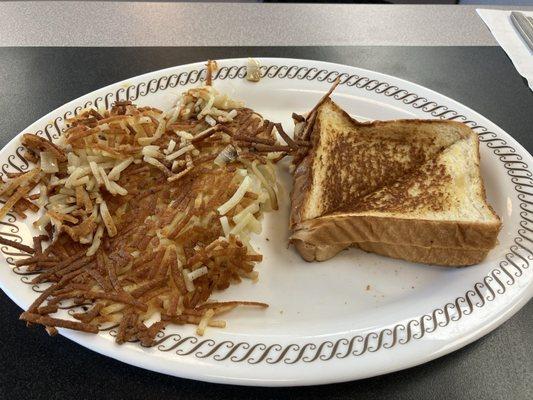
(408,189)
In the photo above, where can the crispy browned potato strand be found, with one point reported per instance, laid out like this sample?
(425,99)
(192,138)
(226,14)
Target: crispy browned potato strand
(148,213)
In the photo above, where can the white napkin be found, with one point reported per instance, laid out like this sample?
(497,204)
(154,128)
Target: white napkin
(499,23)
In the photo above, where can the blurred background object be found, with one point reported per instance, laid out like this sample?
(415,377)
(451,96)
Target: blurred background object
(462,2)
(469,2)
(465,2)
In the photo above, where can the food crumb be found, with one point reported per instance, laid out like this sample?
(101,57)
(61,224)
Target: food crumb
(281,311)
(367,288)
(412,287)
(267,239)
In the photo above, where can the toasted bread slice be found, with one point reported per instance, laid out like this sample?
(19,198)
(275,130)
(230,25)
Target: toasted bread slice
(350,159)
(408,189)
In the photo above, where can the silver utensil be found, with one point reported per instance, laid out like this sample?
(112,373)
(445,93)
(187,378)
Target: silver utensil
(524,26)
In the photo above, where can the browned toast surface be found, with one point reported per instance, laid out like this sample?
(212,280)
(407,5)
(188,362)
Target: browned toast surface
(350,159)
(401,183)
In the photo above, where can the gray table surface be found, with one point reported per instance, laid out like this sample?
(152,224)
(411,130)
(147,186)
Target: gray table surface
(52,23)
(37,80)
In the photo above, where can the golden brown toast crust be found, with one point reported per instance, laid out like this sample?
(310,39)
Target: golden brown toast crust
(302,181)
(417,232)
(426,255)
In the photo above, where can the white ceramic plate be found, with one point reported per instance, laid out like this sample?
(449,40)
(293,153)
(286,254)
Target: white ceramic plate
(357,315)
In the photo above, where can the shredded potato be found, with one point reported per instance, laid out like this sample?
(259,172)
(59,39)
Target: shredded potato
(237,196)
(149,212)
